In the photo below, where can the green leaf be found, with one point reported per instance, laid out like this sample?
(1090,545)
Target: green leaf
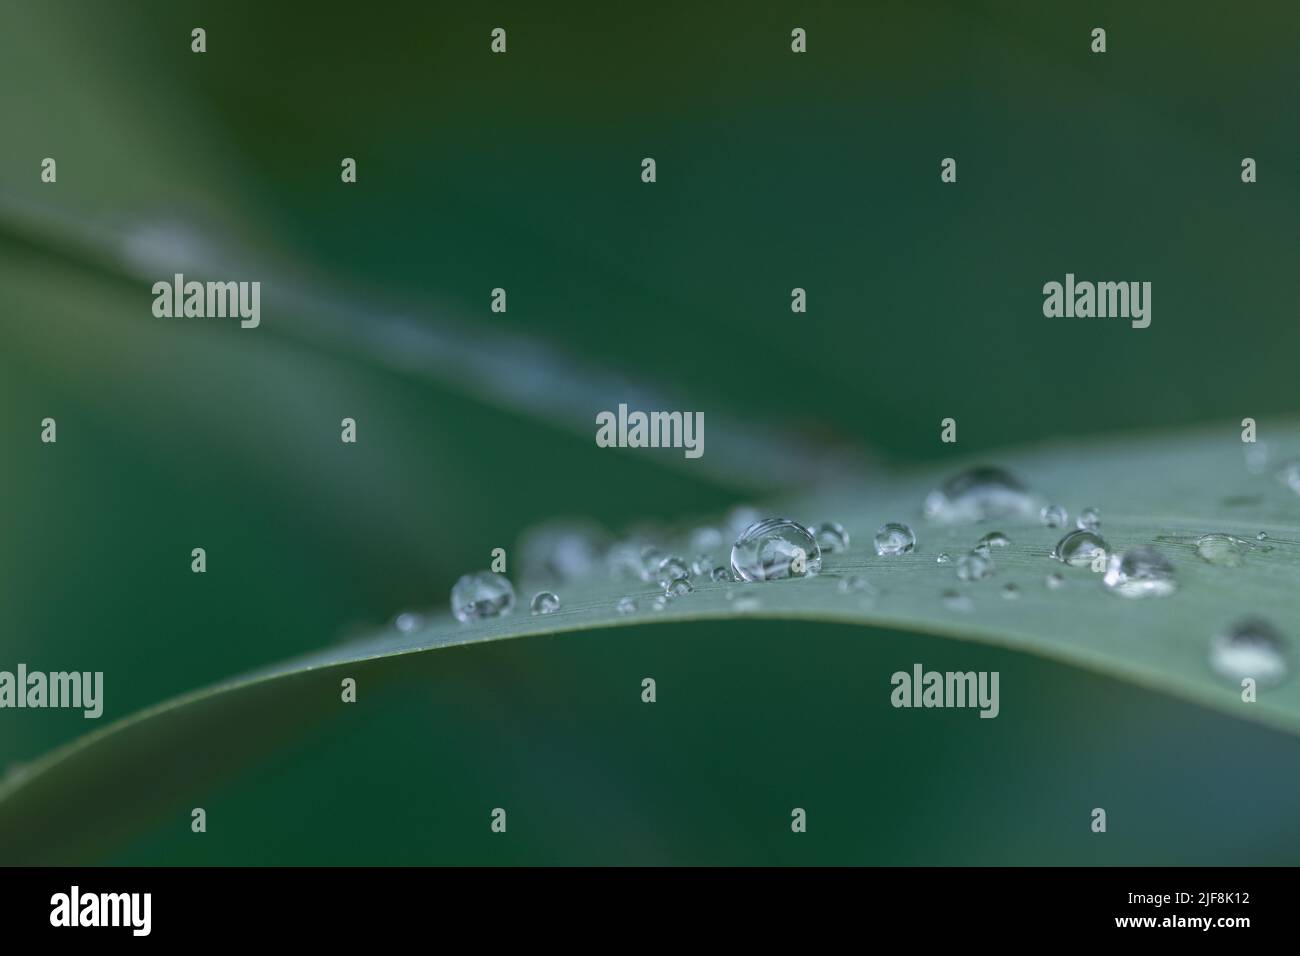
(1165,491)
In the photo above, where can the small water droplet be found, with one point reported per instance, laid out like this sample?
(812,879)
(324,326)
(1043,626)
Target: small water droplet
(995,539)
(956,601)
(702,566)
(1140,572)
(408,621)
(1221,549)
(482,594)
(721,575)
(1253,648)
(943,558)
(1010,592)
(1089,519)
(854,582)
(1056,580)
(626,606)
(1262,536)
(1054,516)
(671,569)
(773,549)
(894,539)
(1078,548)
(545,602)
(831,537)
(660,602)
(678,587)
(974,567)
(979,494)
(982,549)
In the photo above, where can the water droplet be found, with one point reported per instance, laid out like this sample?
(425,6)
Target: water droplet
(408,621)
(651,558)
(721,575)
(671,569)
(1262,536)
(773,549)
(995,539)
(831,537)
(482,594)
(565,548)
(1140,572)
(956,601)
(854,582)
(894,539)
(979,494)
(1054,516)
(1289,475)
(545,602)
(943,558)
(660,602)
(1221,549)
(1056,580)
(1078,548)
(974,567)
(1253,648)
(625,606)
(702,566)
(1010,592)
(679,587)
(1089,519)
(982,549)
(706,539)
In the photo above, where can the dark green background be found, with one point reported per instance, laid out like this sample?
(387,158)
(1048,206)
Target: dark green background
(522,171)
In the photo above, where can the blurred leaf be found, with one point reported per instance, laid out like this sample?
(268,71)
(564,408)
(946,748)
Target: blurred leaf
(1164,491)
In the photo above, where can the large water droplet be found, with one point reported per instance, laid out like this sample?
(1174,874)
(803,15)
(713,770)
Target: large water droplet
(831,537)
(1089,519)
(974,567)
(1252,648)
(545,602)
(979,494)
(894,539)
(773,549)
(482,594)
(1140,572)
(1221,549)
(1054,516)
(1079,548)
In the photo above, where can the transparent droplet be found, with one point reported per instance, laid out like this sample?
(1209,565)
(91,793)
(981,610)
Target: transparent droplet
(1221,549)
(721,575)
(1262,536)
(701,566)
(564,549)
(854,582)
(659,602)
(979,494)
(1252,648)
(831,537)
(625,606)
(1089,519)
(956,601)
(482,594)
(1010,592)
(1056,580)
(1054,516)
(706,540)
(943,558)
(408,621)
(982,549)
(679,587)
(671,569)
(545,602)
(974,567)
(1079,547)
(651,558)
(894,539)
(995,539)
(1140,572)
(773,549)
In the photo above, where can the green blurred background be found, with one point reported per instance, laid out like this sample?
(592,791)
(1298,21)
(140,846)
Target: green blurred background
(522,171)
